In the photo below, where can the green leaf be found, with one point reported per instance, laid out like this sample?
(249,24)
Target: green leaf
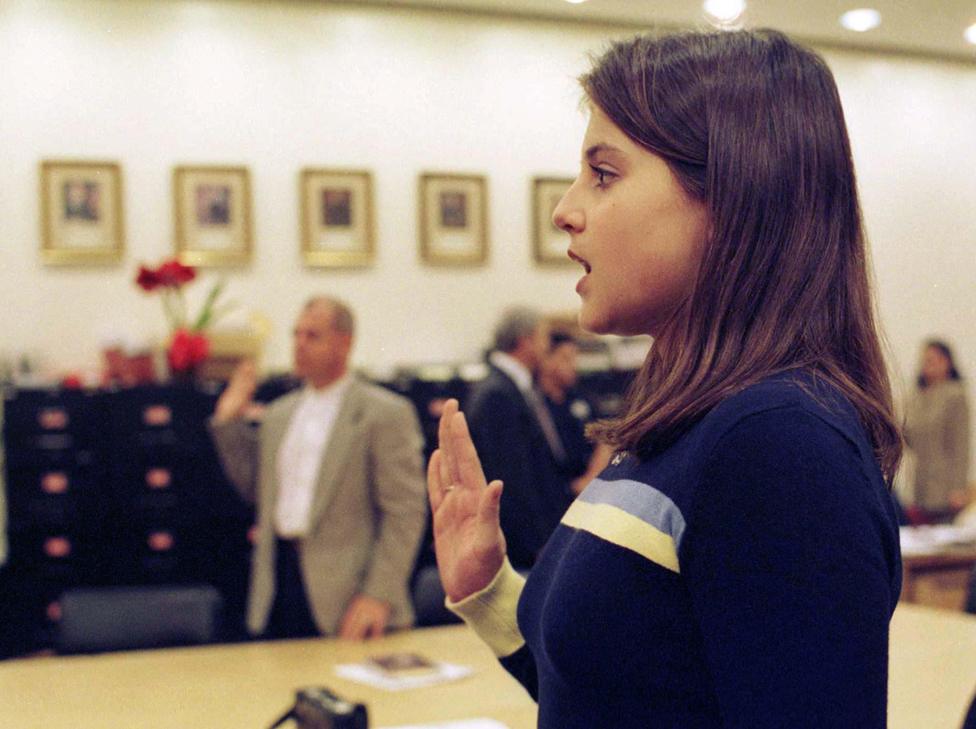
(206,313)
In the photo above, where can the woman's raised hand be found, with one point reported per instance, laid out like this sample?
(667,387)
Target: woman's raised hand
(468,540)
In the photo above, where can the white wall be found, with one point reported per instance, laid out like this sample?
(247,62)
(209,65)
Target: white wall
(278,86)
(913,129)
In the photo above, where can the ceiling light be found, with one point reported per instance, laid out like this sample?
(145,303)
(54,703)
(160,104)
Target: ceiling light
(576,2)
(861,20)
(970,34)
(724,11)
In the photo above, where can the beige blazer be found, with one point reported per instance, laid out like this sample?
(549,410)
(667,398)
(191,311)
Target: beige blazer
(937,430)
(368,512)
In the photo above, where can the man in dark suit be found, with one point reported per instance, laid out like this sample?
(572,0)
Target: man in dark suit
(336,472)
(516,439)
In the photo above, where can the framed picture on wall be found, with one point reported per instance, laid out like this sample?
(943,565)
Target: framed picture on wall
(81,213)
(212,211)
(337,217)
(453,219)
(549,243)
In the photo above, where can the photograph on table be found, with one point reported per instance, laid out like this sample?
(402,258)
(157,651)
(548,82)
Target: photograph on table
(337,218)
(453,219)
(549,243)
(81,213)
(212,211)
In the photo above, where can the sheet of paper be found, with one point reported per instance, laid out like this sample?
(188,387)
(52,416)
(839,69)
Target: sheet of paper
(372,675)
(465,724)
(933,539)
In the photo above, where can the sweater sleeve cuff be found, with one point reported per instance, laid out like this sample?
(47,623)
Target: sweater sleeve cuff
(491,611)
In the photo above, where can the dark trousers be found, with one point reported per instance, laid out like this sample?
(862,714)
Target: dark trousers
(290,614)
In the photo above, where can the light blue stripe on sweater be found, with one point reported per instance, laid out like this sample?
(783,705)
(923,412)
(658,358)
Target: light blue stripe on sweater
(641,501)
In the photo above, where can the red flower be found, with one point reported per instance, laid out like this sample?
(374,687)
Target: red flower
(148,279)
(187,350)
(188,346)
(175,274)
(171,274)
(71,381)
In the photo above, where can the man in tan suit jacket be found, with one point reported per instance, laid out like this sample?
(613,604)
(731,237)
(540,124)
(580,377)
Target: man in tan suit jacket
(336,472)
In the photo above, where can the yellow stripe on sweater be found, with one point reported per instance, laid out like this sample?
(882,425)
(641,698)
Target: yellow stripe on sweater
(616,526)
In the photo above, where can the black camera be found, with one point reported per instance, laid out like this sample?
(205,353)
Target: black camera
(318,708)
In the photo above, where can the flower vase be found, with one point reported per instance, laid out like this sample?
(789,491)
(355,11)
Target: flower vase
(186,352)
(183,377)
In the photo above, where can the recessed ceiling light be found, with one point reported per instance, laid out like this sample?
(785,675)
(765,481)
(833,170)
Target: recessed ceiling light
(861,20)
(575,2)
(970,34)
(724,11)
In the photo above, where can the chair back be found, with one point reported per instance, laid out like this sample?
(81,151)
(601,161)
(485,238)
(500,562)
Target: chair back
(970,606)
(128,618)
(428,599)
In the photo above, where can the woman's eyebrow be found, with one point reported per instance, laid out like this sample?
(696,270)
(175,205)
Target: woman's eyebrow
(602,147)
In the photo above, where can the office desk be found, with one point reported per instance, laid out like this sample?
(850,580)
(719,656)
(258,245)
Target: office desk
(933,673)
(249,685)
(937,562)
(938,580)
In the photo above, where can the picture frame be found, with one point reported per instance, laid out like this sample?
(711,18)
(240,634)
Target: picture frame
(453,219)
(336,218)
(549,243)
(82,219)
(212,215)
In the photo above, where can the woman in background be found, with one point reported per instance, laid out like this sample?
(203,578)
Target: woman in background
(937,431)
(737,563)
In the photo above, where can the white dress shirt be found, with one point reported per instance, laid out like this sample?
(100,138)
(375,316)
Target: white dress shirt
(517,371)
(301,453)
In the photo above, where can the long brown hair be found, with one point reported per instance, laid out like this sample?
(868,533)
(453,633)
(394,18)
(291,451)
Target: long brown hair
(751,125)
(946,351)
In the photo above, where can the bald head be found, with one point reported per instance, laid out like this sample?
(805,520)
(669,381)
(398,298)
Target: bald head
(322,341)
(342,318)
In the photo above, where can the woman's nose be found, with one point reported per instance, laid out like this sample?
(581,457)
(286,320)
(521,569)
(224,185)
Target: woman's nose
(566,215)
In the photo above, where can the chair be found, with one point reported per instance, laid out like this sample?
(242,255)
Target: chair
(970,606)
(428,599)
(128,618)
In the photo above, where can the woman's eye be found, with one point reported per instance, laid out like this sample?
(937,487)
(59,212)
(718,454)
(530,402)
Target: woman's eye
(602,176)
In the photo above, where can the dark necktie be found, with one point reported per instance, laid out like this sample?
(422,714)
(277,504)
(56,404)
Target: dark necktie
(538,404)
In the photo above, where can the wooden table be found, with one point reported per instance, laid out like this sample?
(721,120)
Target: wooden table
(248,685)
(932,672)
(940,579)
(932,677)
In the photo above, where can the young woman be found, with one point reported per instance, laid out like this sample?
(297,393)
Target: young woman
(737,563)
(937,431)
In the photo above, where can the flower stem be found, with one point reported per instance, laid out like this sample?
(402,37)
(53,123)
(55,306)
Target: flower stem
(182,302)
(174,307)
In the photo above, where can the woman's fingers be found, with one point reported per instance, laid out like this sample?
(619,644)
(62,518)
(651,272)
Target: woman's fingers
(448,469)
(450,406)
(434,488)
(488,505)
(467,463)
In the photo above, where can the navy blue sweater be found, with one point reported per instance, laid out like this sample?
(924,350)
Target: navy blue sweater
(745,577)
